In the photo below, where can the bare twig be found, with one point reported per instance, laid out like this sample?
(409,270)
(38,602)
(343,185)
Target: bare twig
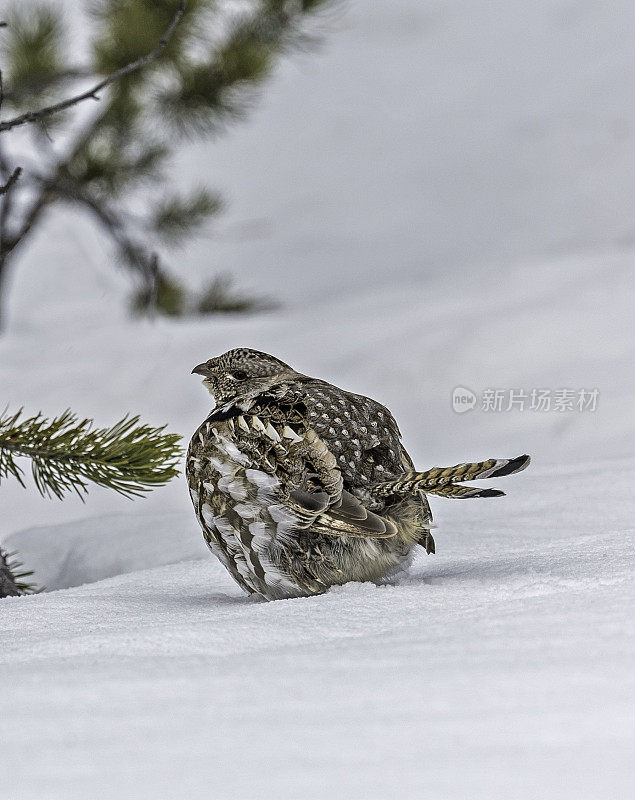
(10,176)
(44,82)
(35,116)
(12,180)
(35,212)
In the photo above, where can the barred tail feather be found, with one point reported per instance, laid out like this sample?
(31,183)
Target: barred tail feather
(444,481)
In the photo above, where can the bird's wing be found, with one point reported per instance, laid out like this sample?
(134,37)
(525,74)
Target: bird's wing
(322,502)
(347,517)
(311,485)
(350,518)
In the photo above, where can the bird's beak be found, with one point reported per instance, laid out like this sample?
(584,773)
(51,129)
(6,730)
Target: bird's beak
(202,369)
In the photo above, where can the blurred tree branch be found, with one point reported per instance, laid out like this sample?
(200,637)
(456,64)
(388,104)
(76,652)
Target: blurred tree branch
(12,179)
(8,243)
(91,94)
(14,176)
(174,70)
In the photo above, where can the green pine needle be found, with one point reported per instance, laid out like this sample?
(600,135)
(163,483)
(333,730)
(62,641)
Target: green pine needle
(206,75)
(35,47)
(220,297)
(176,217)
(67,454)
(12,576)
(167,297)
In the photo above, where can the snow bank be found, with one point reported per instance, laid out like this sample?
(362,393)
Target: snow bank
(89,550)
(499,668)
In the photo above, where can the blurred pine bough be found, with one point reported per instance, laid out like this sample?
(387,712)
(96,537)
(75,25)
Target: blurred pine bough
(117,154)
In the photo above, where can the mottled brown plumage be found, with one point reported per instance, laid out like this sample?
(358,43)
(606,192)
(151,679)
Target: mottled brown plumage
(299,485)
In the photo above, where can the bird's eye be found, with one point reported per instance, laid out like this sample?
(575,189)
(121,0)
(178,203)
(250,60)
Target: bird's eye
(239,374)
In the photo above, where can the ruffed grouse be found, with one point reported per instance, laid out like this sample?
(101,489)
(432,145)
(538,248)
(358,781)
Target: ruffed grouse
(299,485)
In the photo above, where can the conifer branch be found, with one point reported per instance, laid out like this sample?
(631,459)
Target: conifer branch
(197,82)
(67,454)
(175,217)
(92,93)
(13,576)
(12,180)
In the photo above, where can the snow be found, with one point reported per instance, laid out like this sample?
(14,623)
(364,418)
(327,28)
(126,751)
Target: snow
(462,219)
(87,551)
(500,668)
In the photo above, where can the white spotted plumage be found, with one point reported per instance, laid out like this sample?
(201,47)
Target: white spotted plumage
(251,490)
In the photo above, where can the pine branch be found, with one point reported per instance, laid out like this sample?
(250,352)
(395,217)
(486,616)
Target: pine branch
(220,297)
(36,48)
(205,72)
(12,576)
(13,178)
(175,217)
(39,84)
(164,295)
(15,174)
(67,454)
(91,94)
(220,88)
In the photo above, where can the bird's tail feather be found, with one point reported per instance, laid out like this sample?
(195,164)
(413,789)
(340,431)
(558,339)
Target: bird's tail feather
(446,481)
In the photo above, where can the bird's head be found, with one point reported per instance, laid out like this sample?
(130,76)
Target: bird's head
(239,376)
